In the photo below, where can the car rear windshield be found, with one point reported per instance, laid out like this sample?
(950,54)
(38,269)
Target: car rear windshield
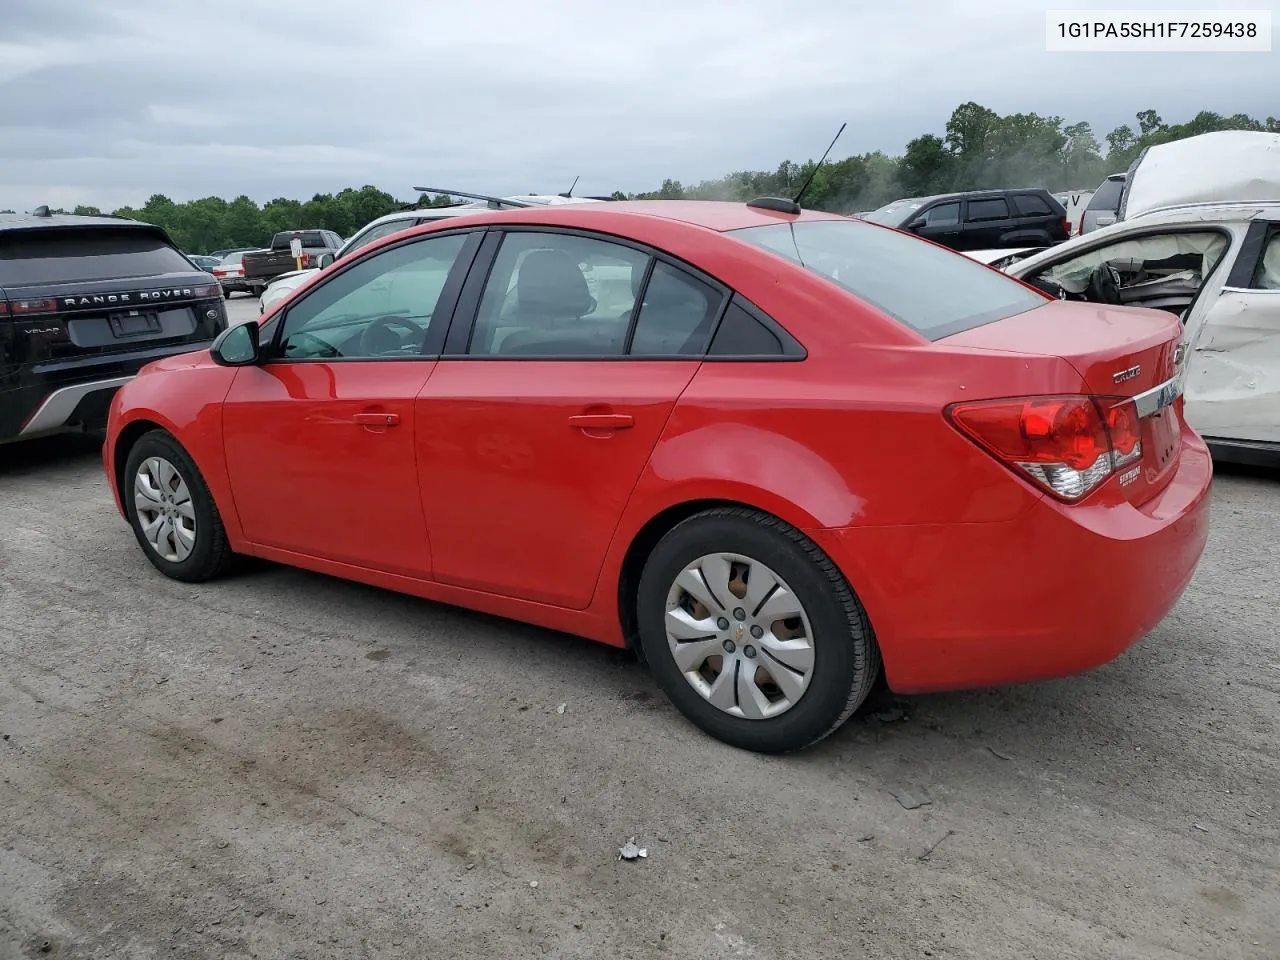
(97,253)
(309,238)
(930,289)
(1107,196)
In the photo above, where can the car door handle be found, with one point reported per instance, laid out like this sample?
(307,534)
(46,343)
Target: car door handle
(377,419)
(602,421)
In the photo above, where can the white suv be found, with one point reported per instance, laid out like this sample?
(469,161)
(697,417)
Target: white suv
(286,283)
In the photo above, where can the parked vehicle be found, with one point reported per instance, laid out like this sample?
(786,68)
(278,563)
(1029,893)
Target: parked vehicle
(384,226)
(263,266)
(716,461)
(1104,206)
(1075,202)
(222,254)
(230,273)
(1217,267)
(84,303)
(203,262)
(980,219)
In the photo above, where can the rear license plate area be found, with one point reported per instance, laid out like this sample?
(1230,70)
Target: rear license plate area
(134,323)
(1164,434)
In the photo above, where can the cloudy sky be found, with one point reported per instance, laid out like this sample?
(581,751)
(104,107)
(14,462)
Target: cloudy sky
(293,97)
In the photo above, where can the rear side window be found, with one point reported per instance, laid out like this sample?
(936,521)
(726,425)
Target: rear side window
(934,291)
(676,316)
(1029,205)
(993,209)
(101,253)
(1107,196)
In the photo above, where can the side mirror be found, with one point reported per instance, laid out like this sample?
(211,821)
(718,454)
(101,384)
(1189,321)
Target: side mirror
(324,260)
(916,224)
(237,346)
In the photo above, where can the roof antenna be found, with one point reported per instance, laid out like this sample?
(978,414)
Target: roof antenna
(792,207)
(568,194)
(814,171)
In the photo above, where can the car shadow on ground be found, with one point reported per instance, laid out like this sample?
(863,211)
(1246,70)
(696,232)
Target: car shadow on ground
(32,456)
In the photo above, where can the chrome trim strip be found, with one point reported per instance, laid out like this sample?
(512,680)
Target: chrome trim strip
(57,406)
(1157,398)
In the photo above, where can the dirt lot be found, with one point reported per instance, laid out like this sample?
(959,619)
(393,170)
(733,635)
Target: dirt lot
(282,765)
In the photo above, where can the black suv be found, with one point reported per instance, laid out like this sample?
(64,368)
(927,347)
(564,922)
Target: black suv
(85,302)
(980,219)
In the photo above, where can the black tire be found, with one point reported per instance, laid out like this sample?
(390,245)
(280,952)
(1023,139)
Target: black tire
(846,658)
(211,556)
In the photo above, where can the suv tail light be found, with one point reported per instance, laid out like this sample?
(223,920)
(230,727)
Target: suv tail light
(20,308)
(1067,445)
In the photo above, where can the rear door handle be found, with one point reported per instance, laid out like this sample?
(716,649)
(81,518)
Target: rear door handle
(377,419)
(602,421)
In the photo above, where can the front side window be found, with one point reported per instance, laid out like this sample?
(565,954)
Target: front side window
(933,291)
(944,214)
(555,295)
(1158,270)
(379,308)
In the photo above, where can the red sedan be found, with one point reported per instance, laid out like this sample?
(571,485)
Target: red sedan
(775,452)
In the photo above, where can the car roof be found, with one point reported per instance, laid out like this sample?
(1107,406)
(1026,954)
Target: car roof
(29,221)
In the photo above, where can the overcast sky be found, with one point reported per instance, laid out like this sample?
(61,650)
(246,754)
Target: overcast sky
(287,98)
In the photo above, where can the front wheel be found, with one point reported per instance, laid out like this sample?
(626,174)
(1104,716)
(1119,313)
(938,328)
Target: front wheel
(172,512)
(753,632)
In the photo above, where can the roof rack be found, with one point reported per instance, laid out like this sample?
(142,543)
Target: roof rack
(495,203)
(776,204)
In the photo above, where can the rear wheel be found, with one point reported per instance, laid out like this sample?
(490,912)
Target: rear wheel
(172,512)
(753,632)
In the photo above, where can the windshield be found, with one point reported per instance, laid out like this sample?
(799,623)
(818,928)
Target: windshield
(892,214)
(934,291)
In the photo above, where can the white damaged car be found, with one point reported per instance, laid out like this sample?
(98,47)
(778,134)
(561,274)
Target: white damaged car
(1182,247)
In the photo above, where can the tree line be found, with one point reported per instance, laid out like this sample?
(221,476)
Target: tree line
(979,148)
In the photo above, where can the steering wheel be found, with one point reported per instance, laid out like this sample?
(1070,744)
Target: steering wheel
(369,345)
(1104,285)
(309,345)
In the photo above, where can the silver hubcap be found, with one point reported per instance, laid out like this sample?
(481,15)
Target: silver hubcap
(165,511)
(740,636)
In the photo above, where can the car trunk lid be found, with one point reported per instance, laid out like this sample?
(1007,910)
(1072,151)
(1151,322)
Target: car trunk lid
(1121,354)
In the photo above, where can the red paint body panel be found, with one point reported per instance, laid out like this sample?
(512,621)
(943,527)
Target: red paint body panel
(308,477)
(520,501)
(1056,591)
(486,495)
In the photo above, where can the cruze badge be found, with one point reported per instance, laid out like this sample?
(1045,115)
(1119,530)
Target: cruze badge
(1120,376)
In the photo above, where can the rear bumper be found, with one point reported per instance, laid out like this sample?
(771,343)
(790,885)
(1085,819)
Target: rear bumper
(52,396)
(1056,591)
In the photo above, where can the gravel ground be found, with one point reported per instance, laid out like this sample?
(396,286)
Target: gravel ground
(284,765)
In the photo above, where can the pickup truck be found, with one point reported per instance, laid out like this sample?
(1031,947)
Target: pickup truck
(263,266)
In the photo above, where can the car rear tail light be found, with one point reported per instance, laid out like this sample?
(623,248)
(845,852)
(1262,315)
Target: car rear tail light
(207,290)
(306,260)
(1066,226)
(1069,445)
(21,308)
